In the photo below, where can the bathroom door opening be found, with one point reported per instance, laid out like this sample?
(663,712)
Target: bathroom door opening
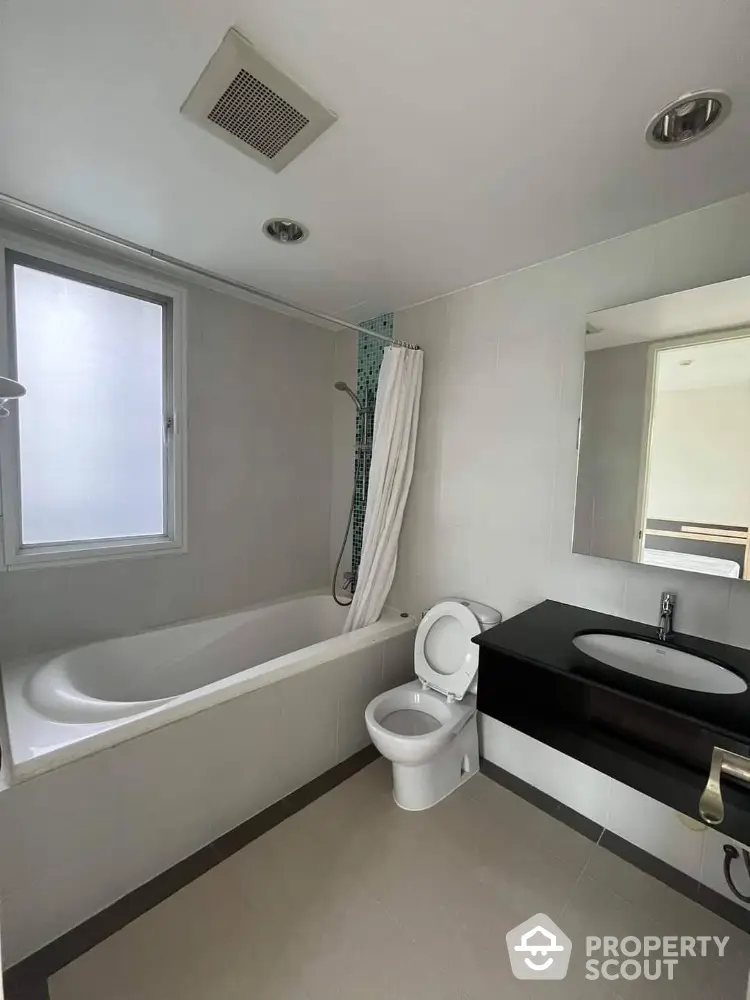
(694,482)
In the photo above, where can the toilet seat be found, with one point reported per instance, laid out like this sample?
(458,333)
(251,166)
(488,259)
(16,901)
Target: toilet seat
(405,747)
(410,698)
(445,658)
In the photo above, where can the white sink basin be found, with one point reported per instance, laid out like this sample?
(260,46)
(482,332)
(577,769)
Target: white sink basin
(660,662)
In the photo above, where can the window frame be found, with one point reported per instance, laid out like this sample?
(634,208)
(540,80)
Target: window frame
(128,281)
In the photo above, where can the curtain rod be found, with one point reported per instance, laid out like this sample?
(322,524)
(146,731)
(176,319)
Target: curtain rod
(183,265)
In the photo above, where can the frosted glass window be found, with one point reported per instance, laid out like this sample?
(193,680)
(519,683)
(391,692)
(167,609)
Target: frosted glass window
(92,426)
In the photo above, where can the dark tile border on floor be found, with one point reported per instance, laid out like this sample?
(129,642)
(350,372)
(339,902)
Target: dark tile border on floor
(581,824)
(27,980)
(675,879)
(658,869)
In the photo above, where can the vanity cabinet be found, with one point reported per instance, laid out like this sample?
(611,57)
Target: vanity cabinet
(654,739)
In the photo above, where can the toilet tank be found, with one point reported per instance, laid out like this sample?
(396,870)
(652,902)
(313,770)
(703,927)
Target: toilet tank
(487,617)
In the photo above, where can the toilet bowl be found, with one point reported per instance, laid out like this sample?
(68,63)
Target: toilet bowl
(427,728)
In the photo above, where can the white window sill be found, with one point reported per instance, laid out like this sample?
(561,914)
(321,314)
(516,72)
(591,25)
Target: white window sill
(73,555)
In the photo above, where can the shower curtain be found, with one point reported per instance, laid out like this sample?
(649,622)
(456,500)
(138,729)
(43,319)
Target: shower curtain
(394,442)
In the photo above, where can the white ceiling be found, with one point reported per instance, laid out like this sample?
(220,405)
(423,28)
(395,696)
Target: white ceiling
(720,363)
(472,138)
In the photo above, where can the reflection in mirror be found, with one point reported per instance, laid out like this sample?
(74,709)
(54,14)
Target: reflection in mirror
(664,450)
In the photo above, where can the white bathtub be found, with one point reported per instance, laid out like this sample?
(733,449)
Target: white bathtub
(68,705)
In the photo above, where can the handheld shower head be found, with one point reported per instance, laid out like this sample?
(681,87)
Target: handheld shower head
(343,387)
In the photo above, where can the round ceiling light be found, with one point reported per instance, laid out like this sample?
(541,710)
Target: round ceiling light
(285,231)
(688,118)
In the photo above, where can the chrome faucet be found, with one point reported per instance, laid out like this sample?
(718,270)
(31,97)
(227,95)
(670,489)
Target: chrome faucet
(666,611)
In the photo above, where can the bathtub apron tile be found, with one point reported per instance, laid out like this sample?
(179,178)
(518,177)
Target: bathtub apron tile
(398,660)
(359,678)
(306,742)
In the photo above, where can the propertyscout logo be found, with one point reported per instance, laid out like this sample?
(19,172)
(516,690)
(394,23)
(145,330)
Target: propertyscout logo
(538,949)
(650,957)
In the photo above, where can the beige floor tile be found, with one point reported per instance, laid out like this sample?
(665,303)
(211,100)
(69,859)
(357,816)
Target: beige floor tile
(621,877)
(203,941)
(353,898)
(519,822)
(594,909)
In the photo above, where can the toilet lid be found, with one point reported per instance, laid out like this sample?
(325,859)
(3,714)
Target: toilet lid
(445,658)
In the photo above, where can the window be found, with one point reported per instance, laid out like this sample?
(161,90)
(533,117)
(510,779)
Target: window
(91,462)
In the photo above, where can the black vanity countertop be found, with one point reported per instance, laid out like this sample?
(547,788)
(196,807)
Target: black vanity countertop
(544,635)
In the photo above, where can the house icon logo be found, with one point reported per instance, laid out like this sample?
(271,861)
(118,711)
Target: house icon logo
(538,949)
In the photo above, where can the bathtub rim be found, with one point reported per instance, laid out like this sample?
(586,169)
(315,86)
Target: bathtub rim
(29,663)
(21,763)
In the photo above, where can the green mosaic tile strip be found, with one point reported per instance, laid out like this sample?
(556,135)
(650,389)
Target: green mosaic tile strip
(369,358)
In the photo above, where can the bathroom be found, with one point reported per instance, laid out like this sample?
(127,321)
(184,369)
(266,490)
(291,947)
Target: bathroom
(246,841)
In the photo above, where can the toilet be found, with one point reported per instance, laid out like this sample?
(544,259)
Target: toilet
(427,728)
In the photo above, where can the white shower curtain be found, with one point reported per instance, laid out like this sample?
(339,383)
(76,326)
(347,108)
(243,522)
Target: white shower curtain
(394,442)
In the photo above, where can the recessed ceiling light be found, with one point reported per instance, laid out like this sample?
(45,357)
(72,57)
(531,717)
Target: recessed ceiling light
(688,118)
(285,231)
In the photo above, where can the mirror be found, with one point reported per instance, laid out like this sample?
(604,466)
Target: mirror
(664,440)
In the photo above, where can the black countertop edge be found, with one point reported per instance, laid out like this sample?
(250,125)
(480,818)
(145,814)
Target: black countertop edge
(543,636)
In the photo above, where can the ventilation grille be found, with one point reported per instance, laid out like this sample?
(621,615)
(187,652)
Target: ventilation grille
(252,112)
(246,101)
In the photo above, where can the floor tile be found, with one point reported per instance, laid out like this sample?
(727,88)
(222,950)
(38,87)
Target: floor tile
(595,910)
(621,877)
(354,899)
(525,824)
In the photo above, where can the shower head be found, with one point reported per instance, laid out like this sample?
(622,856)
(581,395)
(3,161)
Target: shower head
(343,387)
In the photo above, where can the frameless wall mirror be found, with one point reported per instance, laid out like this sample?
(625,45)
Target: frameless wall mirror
(664,444)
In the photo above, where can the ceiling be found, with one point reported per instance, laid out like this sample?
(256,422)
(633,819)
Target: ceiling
(713,364)
(472,139)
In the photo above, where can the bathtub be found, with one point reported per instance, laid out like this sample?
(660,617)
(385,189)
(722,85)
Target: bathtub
(70,704)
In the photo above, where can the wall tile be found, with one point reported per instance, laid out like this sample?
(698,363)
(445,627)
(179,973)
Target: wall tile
(305,743)
(738,614)
(398,660)
(598,584)
(358,679)
(450,571)
(702,606)
(565,779)
(655,828)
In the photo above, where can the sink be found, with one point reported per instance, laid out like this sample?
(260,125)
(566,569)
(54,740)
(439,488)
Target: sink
(660,662)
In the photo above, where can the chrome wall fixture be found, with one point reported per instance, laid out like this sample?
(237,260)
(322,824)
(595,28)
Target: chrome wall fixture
(9,389)
(731,854)
(711,804)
